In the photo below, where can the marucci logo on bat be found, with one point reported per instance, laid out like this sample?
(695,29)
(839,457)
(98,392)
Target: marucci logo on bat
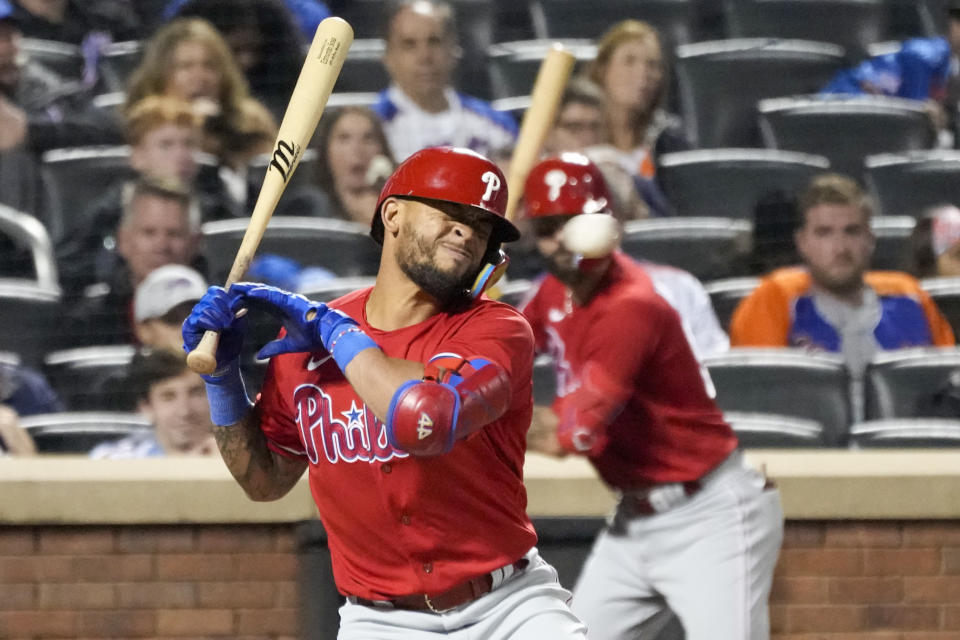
(285,156)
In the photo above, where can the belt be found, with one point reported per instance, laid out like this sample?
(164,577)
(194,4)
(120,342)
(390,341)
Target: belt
(461,594)
(658,498)
(663,497)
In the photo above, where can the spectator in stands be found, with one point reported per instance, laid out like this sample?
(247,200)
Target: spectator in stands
(580,119)
(265,41)
(174,399)
(187,58)
(421,108)
(14,439)
(936,243)
(355,161)
(164,135)
(38,112)
(920,69)
(308,14)
(160,226)
(75,22)
(162,302)
(833,303)
(630,69)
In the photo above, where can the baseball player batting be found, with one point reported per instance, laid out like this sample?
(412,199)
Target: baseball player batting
(694,530)
(408,402)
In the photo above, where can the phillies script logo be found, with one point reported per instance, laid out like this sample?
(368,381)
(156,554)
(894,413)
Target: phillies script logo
(337,433)
(284,157)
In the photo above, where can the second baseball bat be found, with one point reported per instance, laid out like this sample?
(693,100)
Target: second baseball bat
(544,99)
(314,86)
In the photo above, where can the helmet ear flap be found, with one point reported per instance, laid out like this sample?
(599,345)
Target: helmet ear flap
(495,264)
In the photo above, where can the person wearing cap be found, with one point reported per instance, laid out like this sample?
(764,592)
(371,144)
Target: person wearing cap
(173,398)
(408,402)
(162,302)
(696,531)
(935,243)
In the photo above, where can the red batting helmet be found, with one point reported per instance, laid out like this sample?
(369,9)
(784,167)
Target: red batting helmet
(567,184)
(451,174)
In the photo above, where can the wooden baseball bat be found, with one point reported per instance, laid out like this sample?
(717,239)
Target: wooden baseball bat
(317,77)
(545,98)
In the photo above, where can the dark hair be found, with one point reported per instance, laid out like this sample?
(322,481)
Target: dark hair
(322,138)
(923,263)
(152,366)
(832,188)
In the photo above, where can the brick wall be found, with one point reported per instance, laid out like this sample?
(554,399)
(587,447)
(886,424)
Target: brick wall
(835,581)
(236,581)
(868,581)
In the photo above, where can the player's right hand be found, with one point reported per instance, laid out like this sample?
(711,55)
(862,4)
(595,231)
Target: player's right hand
(218,310)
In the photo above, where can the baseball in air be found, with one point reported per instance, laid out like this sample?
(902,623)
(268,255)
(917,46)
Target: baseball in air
(591,235)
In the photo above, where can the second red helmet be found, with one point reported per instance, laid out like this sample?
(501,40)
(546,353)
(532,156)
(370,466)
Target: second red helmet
(568,184)
(451,174)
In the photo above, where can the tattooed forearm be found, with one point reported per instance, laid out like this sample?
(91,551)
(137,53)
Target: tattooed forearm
(262,474)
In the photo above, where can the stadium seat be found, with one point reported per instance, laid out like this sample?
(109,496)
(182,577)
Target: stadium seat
(514,292)
(29,235)
(907,184)
(363,69)
(903,383)
(675,20)
(933,433)
(892,250)
(792,382)
(730,182)
(29,313)
(345,248)
(720,82)
(79,432)
(75,177)
(336,287)
(709,248)
(117,62)
(846,129)
(851,24)
(946,293)
(352,99)
(91,378)
(62,58)
(513,66)
(726,294)
(773,431)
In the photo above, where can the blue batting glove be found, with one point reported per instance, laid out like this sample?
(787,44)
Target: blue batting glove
(311,326)
(217,311)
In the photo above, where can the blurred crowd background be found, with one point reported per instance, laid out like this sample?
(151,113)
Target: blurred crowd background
(134,135)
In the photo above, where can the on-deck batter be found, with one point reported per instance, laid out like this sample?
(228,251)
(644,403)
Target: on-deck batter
(409,403)
(694,530)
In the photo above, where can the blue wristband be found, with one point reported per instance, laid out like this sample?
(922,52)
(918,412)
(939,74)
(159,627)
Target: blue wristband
(228,399)
(347,342)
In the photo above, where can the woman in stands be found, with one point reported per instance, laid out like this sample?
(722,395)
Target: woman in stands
(630,69)
(187,58)
(354,162)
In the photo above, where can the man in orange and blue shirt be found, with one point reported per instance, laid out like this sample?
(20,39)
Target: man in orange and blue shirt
(833,303)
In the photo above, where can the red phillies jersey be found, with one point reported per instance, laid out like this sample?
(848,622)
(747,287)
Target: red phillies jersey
(624,360)
(398,524)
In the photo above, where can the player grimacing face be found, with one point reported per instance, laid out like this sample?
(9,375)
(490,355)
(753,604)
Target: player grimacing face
(441,246)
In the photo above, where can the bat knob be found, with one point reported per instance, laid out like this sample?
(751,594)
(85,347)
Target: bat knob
(202,363)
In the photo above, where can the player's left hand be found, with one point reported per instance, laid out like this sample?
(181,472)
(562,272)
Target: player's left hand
(542,435)
(309,324)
